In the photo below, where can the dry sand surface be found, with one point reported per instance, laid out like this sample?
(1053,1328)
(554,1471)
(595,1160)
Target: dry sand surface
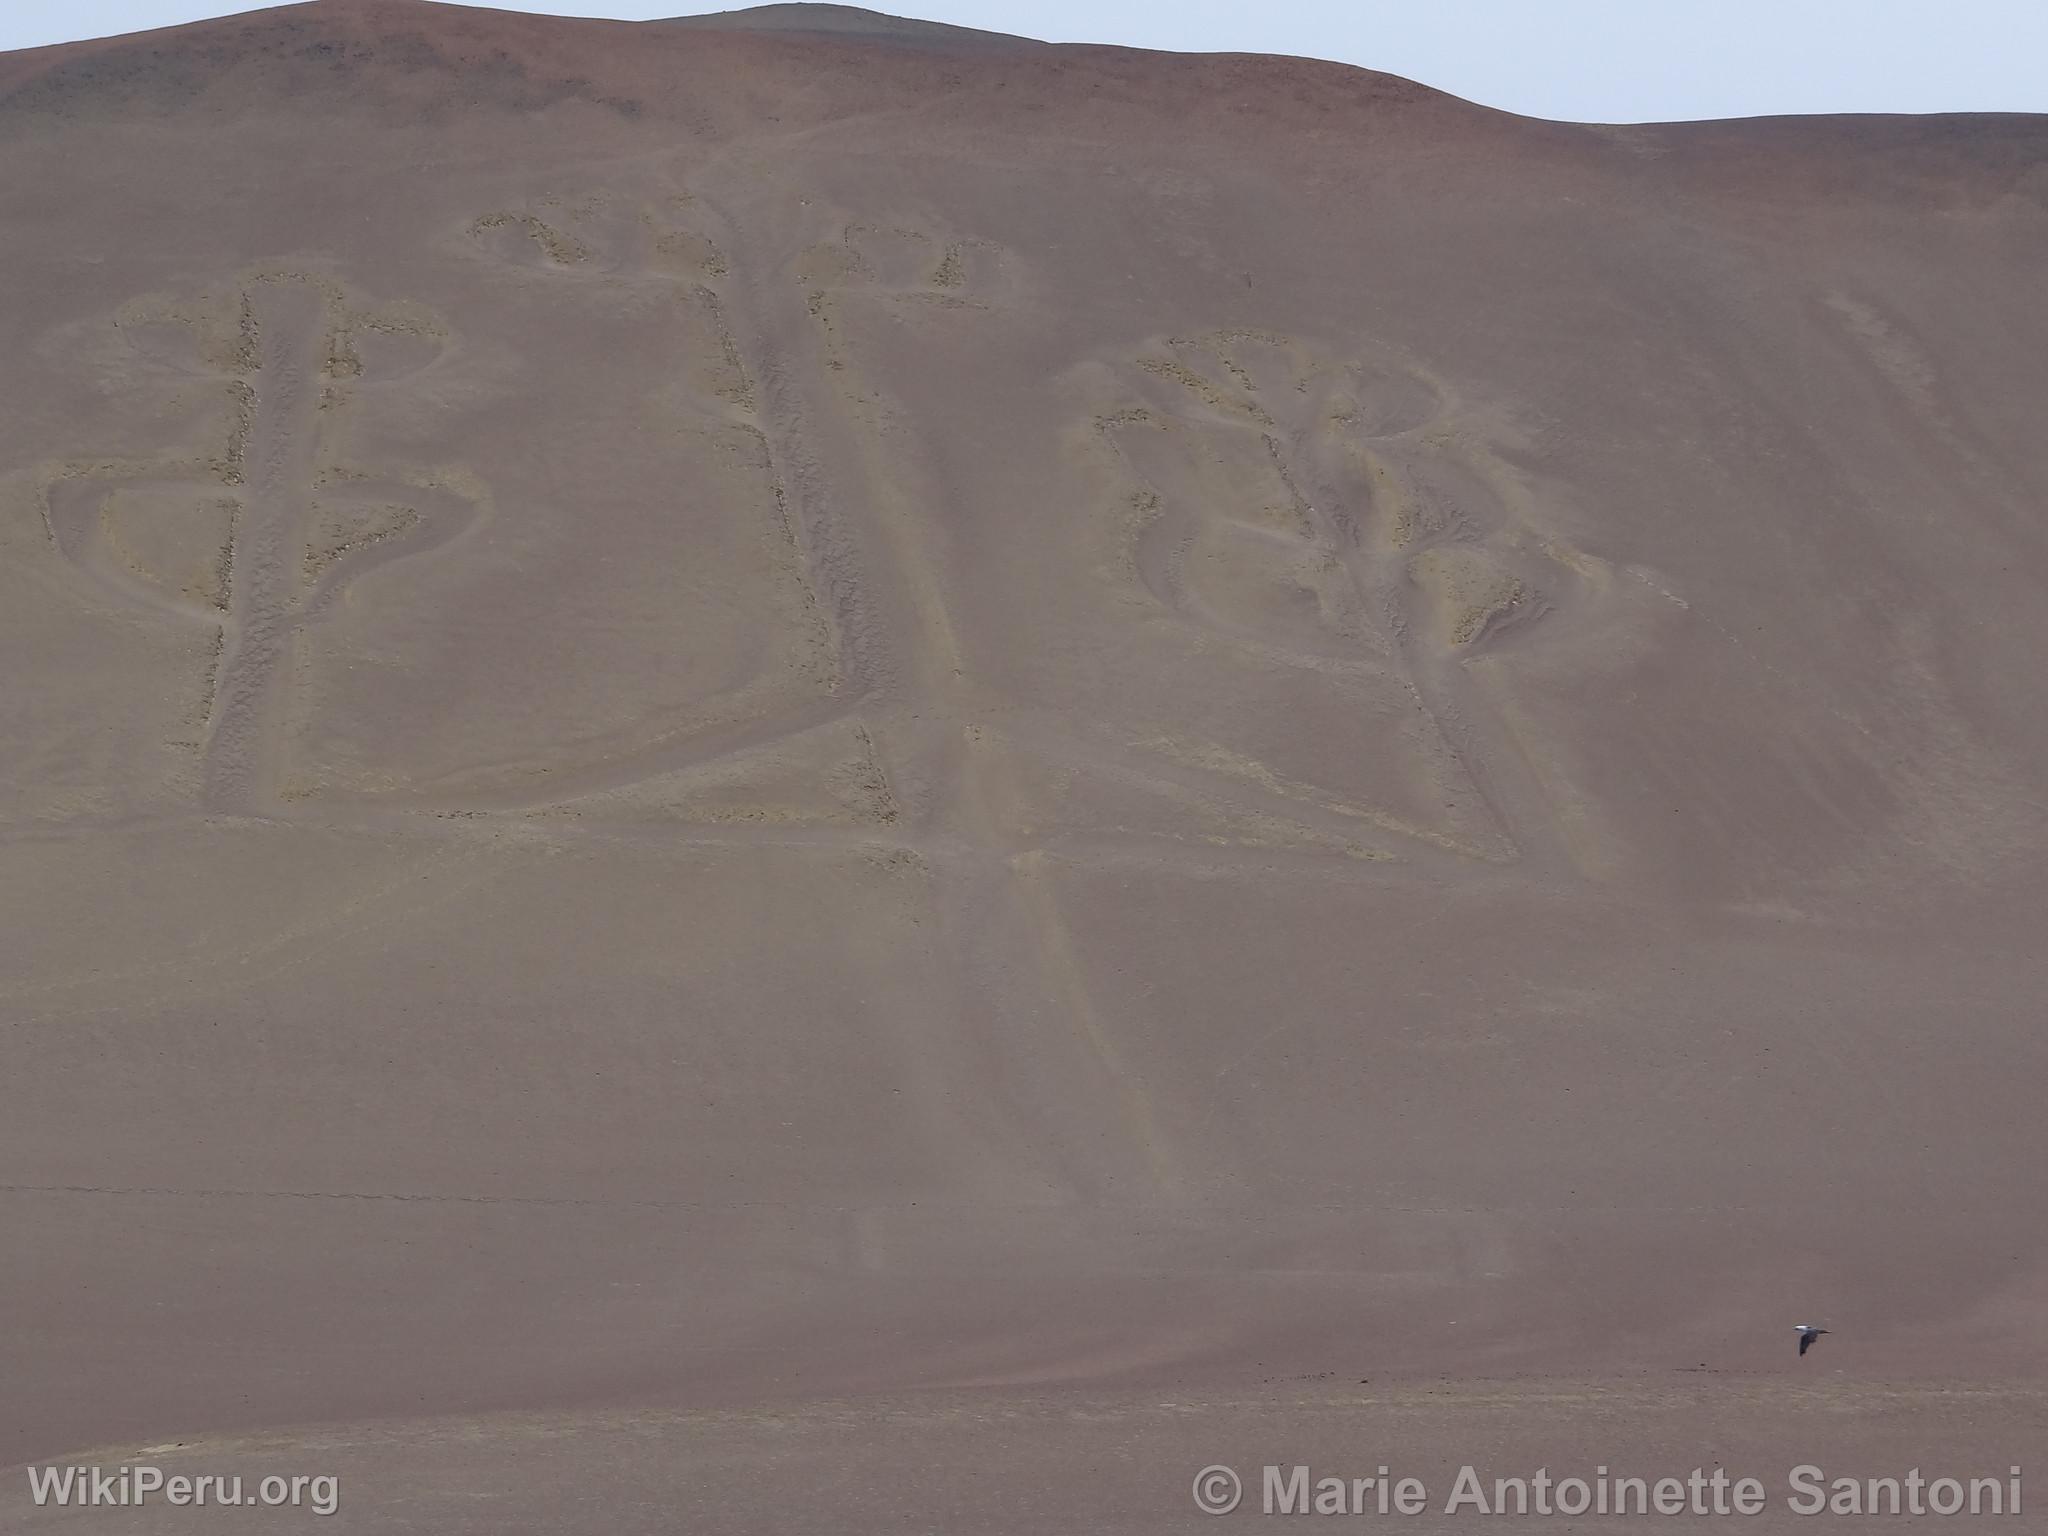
(802,773)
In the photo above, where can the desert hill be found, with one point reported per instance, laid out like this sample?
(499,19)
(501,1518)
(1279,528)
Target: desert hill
(790,719)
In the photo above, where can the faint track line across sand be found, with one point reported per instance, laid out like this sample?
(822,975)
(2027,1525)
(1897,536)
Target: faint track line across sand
(905,1207)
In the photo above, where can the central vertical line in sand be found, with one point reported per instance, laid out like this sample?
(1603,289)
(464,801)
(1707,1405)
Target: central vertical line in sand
(992,808)
(277,442)
(925,663)
(802,489)
(1064,976)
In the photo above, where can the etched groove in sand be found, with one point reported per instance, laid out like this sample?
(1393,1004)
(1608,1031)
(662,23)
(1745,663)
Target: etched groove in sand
(143,534)
(823,775)
(863,261)
(755,386)
(1161,787)
(359,520)
(558,249)
(901,265)
(276,460)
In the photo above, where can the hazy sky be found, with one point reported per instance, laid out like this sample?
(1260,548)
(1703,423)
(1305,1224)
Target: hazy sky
(1592,60)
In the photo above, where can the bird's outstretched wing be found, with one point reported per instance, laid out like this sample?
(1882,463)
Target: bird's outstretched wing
(1806,1340)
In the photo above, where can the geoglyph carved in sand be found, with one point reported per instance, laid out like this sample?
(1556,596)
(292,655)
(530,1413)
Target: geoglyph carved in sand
(1344,516)
(260,531)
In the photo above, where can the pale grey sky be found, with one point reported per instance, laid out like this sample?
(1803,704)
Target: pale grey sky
(1590,60)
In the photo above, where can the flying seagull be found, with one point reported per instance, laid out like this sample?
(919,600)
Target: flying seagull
(1807,1334)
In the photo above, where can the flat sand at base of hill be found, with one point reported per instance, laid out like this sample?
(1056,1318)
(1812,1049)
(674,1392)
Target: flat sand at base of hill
(1463,1456)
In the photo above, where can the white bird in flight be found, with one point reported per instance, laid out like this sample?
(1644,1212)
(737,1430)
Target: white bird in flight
(1807,1334)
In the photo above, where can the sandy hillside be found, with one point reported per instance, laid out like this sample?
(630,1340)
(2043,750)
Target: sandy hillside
(796,768)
